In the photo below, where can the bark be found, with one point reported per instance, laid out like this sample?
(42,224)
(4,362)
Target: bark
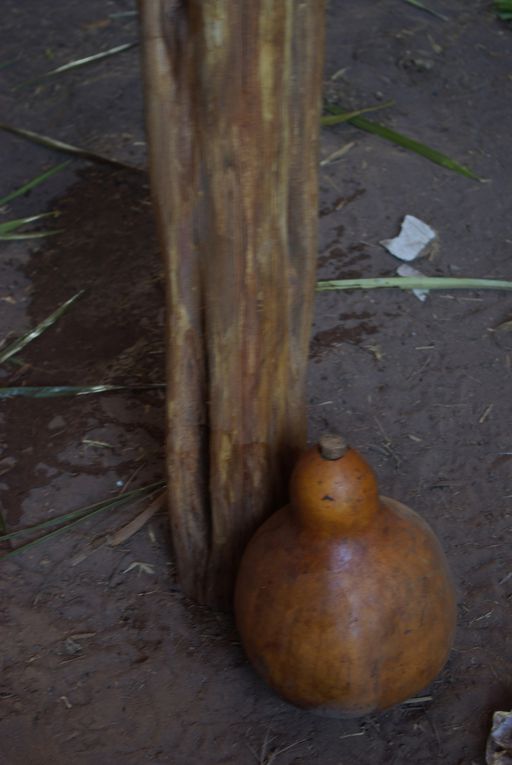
(232,90)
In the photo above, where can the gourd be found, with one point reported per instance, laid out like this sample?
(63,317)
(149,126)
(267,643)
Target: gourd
(343,600)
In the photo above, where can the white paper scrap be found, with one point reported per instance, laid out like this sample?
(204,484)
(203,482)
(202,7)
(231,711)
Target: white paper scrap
(406,270)
(414,236)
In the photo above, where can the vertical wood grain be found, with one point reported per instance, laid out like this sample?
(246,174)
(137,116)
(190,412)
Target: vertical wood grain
(232,90)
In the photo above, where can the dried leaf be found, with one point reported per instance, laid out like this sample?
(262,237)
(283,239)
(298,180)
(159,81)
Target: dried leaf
(125,532)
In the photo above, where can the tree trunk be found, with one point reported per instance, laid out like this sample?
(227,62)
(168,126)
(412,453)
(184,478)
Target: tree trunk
(232,91)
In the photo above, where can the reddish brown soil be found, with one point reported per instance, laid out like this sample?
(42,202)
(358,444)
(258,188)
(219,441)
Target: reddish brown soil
(105,662)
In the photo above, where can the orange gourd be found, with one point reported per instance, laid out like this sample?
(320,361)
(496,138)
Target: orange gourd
(343,599)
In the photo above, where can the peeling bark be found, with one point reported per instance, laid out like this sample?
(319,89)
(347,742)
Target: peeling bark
(232,91)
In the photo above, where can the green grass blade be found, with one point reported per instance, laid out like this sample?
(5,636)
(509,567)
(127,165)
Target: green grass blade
(67,148)
(31,235)
(33,183)
(335,119)
(408,143)
(504,9)
(84,517)
(418,4)
(82,512)
(12,225)
(416,283)
(53,391)
(32,334)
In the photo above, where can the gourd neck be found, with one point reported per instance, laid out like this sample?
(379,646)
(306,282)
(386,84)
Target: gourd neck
(333,489)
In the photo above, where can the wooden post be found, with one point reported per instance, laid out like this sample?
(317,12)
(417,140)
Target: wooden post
(233,90)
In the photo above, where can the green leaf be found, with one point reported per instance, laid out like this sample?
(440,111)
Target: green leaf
(77,516)
(53,391)
(33,183)
(416,283)
(503,9)
(335,119)
(408,143)
(32,334)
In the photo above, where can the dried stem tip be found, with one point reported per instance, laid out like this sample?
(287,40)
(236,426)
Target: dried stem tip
(332,447)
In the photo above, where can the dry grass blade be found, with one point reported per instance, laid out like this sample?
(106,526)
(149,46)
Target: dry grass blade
(32,334)
(121,498)
(336,119)
(418,700)
(122,14)
(67,148)
(338,154)
(416,283)
(77,516)
(33,183)
(91,59)
(83,511)
(54,391)
(125,532)
(78,63)
(421,6)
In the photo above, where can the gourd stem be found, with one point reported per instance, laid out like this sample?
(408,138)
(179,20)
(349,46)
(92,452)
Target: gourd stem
(332,446)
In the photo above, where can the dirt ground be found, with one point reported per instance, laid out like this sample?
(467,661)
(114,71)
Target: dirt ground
(104,661)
